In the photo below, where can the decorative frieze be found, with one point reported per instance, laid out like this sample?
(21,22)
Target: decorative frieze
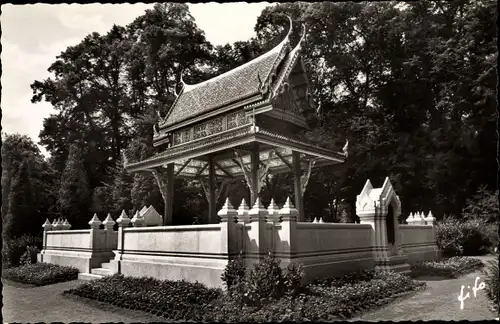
(212,126)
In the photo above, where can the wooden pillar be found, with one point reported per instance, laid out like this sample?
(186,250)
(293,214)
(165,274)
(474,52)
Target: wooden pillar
(169,202)
(299,199)
(212,208)
(255,161)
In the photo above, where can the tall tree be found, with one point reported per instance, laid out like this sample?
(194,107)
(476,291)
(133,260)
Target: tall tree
(74,192)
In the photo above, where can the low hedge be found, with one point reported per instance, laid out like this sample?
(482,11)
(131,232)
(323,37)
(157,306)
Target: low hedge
(449,268)
(176,300)
(40,274)
(184,301)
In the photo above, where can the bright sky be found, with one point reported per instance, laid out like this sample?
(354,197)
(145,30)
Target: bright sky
(33,35)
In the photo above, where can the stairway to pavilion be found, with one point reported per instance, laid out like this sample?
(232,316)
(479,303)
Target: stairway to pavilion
(96,273)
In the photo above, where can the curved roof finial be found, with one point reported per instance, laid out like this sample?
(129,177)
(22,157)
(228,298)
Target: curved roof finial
(303,37)
(287,37)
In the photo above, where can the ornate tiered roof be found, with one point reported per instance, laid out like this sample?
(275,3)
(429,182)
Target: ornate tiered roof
(258,106)
(240,83)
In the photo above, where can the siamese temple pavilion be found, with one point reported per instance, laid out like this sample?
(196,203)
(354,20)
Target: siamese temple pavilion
(241,124)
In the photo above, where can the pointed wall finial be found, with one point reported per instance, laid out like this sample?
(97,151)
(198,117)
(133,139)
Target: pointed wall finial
(47,225)
(66,225)
(123,220)
(273,212)
(243,210)
(227,213)
(95,222)
(288,212)
(137,220)
(108,222)
(258,211)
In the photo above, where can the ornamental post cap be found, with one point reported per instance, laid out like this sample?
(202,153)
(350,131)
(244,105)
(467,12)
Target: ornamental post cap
(272,206)
(288,203)
(109,221)
(243,206)
(95,221)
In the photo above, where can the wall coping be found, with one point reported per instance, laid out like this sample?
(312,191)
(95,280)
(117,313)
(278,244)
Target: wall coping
(332,225)
(82,231)
(178,228)
(407,226)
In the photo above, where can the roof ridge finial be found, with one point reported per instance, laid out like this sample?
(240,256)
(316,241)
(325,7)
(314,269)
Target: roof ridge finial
(287,37)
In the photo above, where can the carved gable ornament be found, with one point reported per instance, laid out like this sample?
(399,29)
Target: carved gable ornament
(378,200)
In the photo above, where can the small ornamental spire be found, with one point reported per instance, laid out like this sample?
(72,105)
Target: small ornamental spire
(95,222)
(273,211)
(108,222)
(47,225)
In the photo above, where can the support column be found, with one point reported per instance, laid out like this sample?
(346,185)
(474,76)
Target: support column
(212,208)
(169,201)
(299,199)
(255,160)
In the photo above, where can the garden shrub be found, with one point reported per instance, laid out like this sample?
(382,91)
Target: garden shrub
(325,300)
(469,237)
(234,272)
(13,249)
(493,282)
(450,268)
(265,281)
(29,257)
(40,274)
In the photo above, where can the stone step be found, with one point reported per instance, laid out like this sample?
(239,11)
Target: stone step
(398,259)
(88,276)
(100,271)
(106,265)
(400,268)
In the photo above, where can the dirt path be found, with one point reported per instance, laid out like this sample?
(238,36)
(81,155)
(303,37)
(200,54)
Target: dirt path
(47,304)
(439,302)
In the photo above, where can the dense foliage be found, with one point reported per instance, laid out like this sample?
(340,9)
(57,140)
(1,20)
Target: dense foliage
(450,268)
(493,282)
(266,281)
(411,86)
(176,300)
(331,299)
(14,249)
(40,274)
(471,237)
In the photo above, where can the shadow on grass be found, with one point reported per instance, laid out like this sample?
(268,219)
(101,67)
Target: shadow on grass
(431,278)
(18,284)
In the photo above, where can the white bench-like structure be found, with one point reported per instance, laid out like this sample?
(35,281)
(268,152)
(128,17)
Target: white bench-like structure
(201,252)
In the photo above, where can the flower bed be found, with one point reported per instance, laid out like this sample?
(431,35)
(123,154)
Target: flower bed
(179,300)
(450,268)
(40,274)
(175,300)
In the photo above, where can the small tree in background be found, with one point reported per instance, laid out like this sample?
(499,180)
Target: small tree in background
(74,192)
(483,206)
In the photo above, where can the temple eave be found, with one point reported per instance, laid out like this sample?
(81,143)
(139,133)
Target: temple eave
(222,145)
